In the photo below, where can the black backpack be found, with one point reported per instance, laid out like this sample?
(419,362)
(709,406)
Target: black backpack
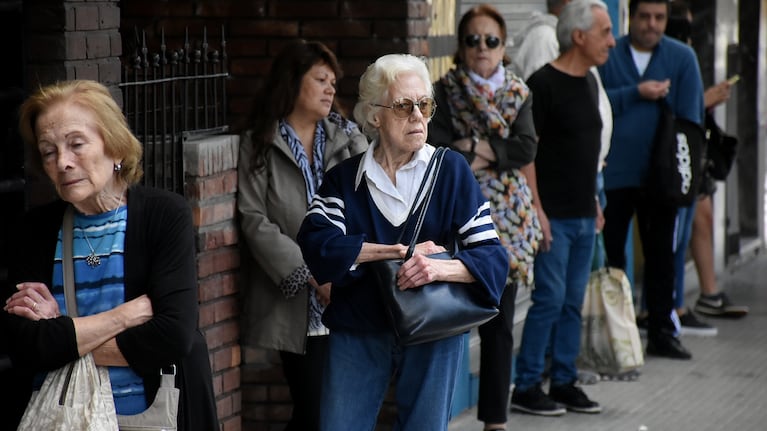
(677,163)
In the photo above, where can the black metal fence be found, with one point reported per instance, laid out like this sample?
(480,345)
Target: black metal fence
(170,97)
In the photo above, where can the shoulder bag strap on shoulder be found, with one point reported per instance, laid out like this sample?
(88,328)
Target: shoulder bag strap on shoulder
(66,262)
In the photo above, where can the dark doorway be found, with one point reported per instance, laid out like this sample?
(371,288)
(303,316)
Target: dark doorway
(12,202)
(745,57)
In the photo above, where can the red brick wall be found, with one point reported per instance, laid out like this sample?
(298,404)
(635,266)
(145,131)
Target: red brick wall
(72,40)
(357,31)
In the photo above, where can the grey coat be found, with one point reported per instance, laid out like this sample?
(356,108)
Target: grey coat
(271,205)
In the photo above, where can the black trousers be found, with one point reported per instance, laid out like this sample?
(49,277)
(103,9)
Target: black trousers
(655,220)
(304,376)
(496,348)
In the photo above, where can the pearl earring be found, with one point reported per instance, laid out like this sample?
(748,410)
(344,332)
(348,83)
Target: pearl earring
(118,167)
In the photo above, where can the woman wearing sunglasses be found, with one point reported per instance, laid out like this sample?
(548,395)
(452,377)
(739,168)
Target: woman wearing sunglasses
(358,216)
(485,113)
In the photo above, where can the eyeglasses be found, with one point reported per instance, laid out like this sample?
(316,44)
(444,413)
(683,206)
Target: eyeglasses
(472,41)
(404,107)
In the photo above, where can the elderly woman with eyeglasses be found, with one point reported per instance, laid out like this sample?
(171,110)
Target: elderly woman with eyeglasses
(486,115)
(358,216)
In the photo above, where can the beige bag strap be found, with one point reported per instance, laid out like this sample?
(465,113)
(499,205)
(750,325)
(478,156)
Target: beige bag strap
(66,262)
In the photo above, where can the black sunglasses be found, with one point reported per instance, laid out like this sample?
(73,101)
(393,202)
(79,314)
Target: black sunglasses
(473,40)
(404,107)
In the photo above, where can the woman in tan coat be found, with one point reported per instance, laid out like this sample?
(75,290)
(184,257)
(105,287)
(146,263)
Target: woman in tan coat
(294,137)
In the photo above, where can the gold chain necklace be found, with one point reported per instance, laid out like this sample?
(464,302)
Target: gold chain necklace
(93,260)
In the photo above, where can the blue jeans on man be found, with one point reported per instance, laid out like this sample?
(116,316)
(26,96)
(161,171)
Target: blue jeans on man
(561,276)
(682,236)
(359,369)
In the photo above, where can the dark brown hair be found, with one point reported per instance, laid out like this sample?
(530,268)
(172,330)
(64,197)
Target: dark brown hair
(277,97)
(634,4)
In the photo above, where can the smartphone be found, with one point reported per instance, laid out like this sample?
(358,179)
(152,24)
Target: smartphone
(733,79)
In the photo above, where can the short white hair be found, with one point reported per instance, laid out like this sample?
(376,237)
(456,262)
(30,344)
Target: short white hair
(375,82)
(576,15)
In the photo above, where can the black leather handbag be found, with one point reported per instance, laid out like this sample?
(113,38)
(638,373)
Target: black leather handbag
(721,151)
(437,310)
(677,158)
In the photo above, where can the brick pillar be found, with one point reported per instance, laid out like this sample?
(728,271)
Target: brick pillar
(210,166)
(72,40)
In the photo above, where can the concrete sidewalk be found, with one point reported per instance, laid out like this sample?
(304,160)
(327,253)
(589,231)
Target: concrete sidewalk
(724,386)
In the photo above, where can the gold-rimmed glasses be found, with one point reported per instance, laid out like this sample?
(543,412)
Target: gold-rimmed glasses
(404,107)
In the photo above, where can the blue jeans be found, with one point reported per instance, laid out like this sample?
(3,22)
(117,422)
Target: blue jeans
(358,371)
(561,276)
(682,234)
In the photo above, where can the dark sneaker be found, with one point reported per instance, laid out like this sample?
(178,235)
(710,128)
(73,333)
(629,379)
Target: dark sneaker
(667,346)
(719,305)
(535,402)
(574,399)
(690,325)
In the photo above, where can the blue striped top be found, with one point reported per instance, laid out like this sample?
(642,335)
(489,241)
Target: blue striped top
(101,288)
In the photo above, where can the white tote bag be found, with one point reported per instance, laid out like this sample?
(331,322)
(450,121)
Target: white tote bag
(610,342)
(76,397)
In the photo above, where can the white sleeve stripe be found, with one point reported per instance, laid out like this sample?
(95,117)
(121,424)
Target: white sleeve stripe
(315,210)
(480,236)
(329,211)
(483,220)
(329,201)
(478,220)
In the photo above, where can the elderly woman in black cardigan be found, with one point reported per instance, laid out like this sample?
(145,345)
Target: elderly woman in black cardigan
(133,259)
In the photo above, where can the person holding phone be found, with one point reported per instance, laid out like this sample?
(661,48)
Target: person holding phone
(696,222)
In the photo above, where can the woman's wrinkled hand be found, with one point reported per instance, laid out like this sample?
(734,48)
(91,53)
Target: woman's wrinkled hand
(418,271)
(426,247)
(33,301)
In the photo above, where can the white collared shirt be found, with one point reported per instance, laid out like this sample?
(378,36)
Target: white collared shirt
(392,200)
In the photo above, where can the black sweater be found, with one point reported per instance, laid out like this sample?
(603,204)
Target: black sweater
(569,126)
(160,260)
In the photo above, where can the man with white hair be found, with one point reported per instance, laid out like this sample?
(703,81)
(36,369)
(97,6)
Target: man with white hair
(569,126)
